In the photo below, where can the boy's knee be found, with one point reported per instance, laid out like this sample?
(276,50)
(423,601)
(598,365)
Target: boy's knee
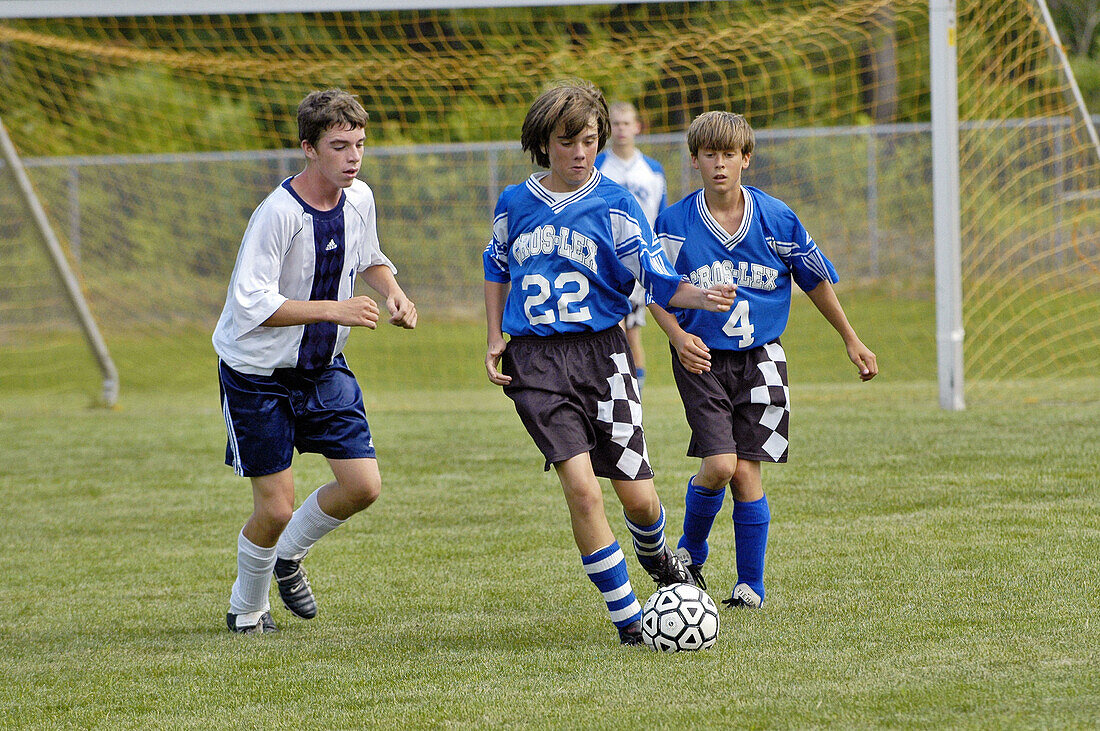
(585,501)
(746,484)
(363,493)
(275,516)
(641,505)
(716,472)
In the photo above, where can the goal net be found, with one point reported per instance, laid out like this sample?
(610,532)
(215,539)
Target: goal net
(151,139)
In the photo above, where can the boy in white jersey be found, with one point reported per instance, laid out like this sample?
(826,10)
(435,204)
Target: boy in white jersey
(284,382)
(566,249)
(730,368)
(645,179)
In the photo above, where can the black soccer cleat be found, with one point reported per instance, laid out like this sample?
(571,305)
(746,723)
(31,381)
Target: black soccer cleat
(667,569)
(294,588)
(631,634)
(264,625)
(696,570)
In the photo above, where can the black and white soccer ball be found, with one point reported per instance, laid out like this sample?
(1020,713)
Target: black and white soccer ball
(678,618)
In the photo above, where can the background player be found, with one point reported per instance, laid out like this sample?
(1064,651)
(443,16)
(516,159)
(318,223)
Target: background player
(284,382)
(730,369)
(566,248)
(645,179)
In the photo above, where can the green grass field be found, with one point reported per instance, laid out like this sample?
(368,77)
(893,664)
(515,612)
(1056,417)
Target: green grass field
(924,569)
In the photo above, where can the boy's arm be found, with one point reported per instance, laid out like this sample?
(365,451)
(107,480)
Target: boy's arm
(353,312)
(824,298)
(381,280)
(718,298)
(691,350)
(496,293)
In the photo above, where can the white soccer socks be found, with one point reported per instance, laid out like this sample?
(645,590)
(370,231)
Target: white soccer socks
(249,597)
(308,525)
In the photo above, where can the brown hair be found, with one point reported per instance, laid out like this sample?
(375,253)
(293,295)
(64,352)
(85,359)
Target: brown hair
(572,103)
(720,131)
(320,111)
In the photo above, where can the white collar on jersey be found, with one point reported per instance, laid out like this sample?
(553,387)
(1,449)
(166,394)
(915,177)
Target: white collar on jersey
(727,239)
(559,201)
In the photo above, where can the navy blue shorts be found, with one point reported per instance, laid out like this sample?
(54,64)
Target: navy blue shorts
(268,417)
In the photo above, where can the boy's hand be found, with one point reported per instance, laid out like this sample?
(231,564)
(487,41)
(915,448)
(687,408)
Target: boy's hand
(402,311)
(720,297)
(492,358)
(864,359)
(360,311)
(693,353)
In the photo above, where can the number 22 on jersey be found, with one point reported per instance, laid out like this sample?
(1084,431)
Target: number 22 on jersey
(738,325)
(570,287)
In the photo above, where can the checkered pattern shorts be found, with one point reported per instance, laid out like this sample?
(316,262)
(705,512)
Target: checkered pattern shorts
(578,393)
(742,406)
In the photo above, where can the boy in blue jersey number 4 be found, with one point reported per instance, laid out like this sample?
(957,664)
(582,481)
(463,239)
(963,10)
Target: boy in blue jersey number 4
(566,248)
(284,383)
(730,368)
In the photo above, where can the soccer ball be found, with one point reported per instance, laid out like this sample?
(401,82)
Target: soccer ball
(679,617)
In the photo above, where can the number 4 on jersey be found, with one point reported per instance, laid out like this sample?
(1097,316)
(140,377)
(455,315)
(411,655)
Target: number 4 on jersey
(738,325)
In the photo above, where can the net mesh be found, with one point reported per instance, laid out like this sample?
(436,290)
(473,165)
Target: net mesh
(151,139)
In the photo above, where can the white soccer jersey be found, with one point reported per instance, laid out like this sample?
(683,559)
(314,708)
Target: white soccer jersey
(642,176)
(292,251)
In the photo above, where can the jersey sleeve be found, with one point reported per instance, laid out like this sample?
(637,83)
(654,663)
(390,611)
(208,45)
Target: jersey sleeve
(254,290)
(640,254)
(495,257)
(371,250)
(808,265)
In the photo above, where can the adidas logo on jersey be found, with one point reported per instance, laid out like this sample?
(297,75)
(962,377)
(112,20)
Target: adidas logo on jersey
(331,245)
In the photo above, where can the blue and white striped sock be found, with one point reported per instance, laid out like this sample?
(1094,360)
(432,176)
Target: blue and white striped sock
(607,570)
(649,540)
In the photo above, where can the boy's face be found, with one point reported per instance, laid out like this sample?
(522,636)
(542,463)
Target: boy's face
(721,169)
(624,128)
(337,155)
(572,158)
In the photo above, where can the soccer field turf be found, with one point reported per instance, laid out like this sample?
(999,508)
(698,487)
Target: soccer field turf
(924,568)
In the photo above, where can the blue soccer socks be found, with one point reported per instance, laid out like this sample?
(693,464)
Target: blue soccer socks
(750,526)
(649,540)
(701,507)
(607,570)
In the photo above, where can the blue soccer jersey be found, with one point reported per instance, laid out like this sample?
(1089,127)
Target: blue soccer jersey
(768,250)
(572,258)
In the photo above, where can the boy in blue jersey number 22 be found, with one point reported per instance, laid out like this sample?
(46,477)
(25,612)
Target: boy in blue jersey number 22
(566,248)
(284,382)
(730,368)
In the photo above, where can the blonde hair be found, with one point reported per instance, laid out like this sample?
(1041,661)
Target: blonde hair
(573,103)
(320,111)
(619,107)
(720,131)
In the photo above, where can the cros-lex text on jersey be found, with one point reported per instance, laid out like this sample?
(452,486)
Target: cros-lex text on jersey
(769,249)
